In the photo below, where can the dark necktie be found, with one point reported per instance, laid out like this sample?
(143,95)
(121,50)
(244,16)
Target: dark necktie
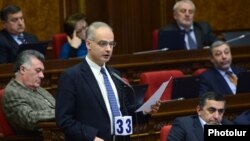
(191,43)
(111,95)
(22,39)
(231,77)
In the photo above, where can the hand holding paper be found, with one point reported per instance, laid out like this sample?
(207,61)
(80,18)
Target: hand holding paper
(154,98)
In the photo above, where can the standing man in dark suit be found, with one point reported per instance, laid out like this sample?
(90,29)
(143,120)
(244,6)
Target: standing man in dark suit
(216,78)
(200,33)
(210,111)
(12,34)
(83,110)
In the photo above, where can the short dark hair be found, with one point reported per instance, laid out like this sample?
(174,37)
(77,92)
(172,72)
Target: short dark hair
(10,9)
(210,96)
(70,22)
(25,57)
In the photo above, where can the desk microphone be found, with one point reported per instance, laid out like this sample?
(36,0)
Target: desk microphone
(119,78)
(127,84)
(151,51)
(237,38)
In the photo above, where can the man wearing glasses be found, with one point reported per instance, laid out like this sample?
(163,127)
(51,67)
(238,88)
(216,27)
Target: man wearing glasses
(84,110)
(12,34)
(210,111)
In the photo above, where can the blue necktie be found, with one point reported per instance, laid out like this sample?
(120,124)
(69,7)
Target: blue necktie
(111,95)
(21,38)
(191,43)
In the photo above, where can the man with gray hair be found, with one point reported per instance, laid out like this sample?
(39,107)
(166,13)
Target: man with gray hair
(25,102)
(222,78)
(193,34)
(89,95)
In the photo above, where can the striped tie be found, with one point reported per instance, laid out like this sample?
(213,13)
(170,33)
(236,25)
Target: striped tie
(111,95)
(232,77)
(22,39)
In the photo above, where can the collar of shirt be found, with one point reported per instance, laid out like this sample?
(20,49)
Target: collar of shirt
(182,28)
(96,69)
(202,122)
(15,37)
(223,73)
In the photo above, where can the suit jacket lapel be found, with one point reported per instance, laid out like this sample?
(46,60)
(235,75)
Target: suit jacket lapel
(219,78)
(92,83)
(198,130)
(198,36)
(12,43)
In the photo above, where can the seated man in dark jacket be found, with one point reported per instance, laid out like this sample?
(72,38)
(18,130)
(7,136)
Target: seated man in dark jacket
(219,78)
(243,118)
(210,111)
(12,34)
(185,34)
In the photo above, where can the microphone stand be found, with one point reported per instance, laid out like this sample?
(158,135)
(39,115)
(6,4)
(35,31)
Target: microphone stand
(237,38)
(123,96)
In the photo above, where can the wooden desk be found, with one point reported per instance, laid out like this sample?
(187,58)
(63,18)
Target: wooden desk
(168,112)
(131,65)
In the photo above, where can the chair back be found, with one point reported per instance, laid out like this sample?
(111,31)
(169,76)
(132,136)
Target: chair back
(4,125)
(155,35)
(164,132)
(199,71)
(154,79)
(57,42)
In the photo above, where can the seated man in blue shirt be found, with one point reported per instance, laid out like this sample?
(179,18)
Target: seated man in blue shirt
(217,78)
(186,33)
(13,33)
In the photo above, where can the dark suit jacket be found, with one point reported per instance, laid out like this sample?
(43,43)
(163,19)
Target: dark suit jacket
(243,118)
(9,47)
(188,128)
(212,80)
(80,108)
(203,34)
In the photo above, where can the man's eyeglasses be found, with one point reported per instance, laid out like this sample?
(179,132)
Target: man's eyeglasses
(105,43)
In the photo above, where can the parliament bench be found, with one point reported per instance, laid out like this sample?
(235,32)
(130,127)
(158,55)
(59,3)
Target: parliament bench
(169,110)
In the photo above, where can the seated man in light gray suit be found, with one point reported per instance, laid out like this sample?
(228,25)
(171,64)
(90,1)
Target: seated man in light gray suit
(24,101)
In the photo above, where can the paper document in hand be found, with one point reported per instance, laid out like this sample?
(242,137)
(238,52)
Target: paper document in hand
(155,97)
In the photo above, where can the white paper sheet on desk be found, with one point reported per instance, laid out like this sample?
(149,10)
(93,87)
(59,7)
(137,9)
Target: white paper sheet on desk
(155,97)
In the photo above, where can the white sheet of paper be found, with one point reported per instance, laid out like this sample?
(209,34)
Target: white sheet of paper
(155,97)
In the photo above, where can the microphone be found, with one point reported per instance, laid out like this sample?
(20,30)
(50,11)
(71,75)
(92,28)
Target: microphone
(237,38)
(150,51)
(119,78)
(133,91)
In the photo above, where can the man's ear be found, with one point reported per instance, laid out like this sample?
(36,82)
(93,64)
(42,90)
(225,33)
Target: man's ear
(88,44)
(22,69)
(198,109)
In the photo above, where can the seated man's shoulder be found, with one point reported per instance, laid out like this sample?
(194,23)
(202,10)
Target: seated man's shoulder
(208,72)
(202,24)
(32,37)
(238,69)
(169,27)
(243,118)
(186,119)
